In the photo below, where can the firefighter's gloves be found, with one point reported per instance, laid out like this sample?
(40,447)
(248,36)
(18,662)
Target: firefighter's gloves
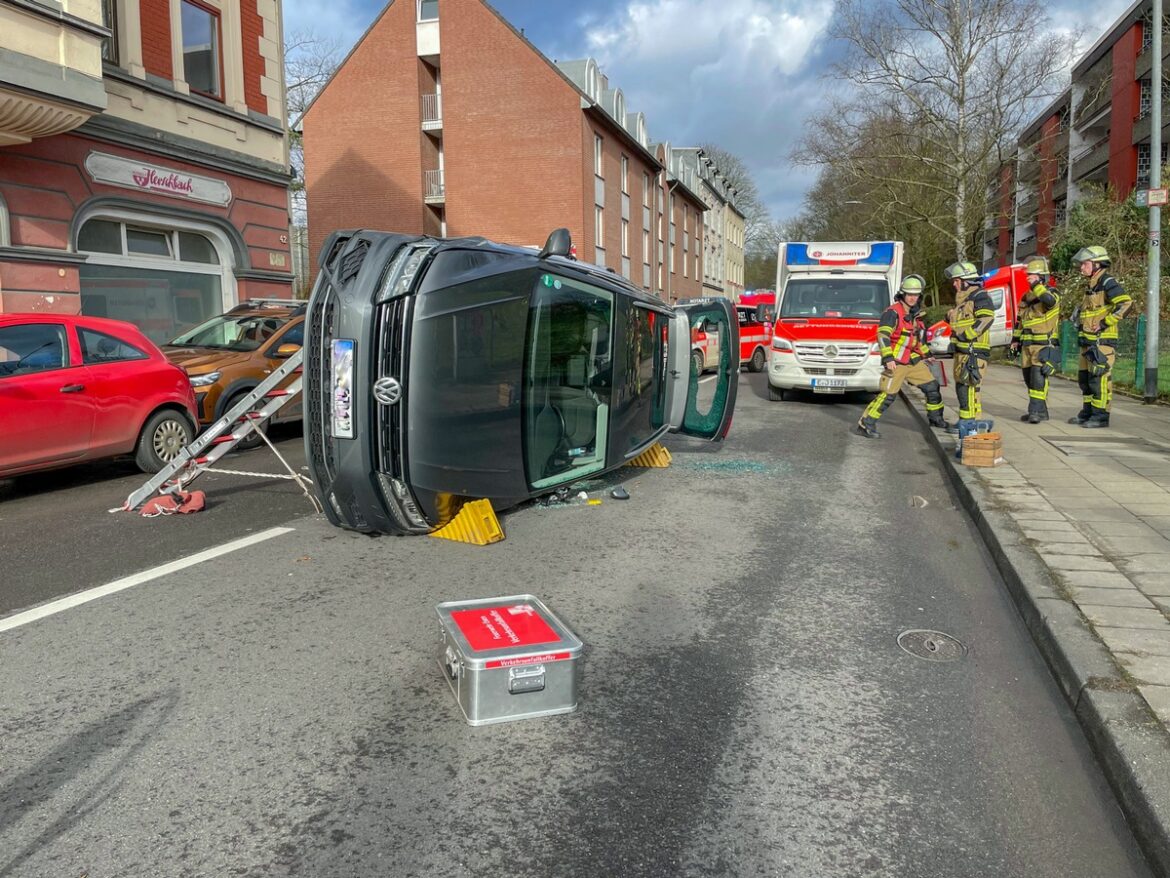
(1014,349)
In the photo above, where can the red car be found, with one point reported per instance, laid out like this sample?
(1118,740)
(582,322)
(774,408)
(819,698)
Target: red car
(76,388)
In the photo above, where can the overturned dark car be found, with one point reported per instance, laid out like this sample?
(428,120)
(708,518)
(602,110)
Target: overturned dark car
(439,371)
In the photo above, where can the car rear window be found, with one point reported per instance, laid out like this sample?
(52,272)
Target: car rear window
(98,347)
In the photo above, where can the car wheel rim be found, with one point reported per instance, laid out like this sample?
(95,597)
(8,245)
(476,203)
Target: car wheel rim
(169,440)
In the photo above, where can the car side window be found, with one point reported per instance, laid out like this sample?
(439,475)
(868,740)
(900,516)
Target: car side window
(97,347)
(32,347)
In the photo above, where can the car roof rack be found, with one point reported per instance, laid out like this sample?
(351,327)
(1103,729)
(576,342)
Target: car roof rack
(259,303)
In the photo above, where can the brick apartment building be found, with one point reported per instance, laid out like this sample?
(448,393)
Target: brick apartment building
(1096,132)
(444,120)
(143,158)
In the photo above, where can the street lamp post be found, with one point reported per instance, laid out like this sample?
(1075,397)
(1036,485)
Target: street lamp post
(1154,273)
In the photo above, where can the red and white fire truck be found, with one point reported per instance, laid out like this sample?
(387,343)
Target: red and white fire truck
(829,298)
(756,311)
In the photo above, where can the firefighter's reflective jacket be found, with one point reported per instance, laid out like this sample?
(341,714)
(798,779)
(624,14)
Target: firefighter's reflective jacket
(1039,317)
(900,335)
(1102,308)
(972,318)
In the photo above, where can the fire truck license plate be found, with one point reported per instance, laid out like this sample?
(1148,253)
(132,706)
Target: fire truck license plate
(828,385)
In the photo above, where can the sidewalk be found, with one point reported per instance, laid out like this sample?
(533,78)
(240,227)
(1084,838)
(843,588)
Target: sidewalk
(1078,522)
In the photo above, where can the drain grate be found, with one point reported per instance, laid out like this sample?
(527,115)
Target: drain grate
(934,646)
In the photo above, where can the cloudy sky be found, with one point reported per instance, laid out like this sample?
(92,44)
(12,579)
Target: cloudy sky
(739,73)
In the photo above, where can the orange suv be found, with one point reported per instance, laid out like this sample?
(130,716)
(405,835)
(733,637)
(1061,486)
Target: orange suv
(228,355)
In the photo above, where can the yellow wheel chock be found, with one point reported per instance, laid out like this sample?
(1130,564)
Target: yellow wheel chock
(654,456)
(475,523)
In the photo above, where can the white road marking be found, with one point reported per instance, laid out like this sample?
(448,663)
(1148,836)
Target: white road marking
(100,591)
(708,378)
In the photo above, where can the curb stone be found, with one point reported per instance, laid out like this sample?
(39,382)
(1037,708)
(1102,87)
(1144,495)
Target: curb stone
(1131,746)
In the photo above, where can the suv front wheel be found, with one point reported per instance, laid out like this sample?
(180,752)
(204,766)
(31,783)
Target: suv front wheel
(165,435)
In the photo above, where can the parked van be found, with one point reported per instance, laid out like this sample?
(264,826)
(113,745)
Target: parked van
(829,298)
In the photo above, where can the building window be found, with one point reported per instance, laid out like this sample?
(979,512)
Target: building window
(110,22)
(645,190)
(428,10)
(1145,98)
(597,155)
(625,237)
(625,175)
(4,235)
(201,53)
(646,245)
(599,226)
(1143,164)
(163,280)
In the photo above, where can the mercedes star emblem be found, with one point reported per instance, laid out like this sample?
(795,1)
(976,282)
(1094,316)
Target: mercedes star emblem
(387,390)
(830,351)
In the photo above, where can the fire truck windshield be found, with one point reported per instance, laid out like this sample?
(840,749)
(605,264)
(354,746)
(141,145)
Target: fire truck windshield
(847,298)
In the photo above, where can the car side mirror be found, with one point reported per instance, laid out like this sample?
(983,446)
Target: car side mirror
(559,243)
(286,350)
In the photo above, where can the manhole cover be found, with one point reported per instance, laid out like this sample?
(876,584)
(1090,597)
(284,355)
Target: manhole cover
(934,646)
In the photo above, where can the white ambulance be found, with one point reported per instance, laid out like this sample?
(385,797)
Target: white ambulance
(829,298)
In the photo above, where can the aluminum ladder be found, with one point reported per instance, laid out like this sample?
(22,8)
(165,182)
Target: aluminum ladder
(235,425)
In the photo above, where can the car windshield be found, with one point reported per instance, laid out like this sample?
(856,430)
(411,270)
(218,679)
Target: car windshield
(835,298)
(231,332)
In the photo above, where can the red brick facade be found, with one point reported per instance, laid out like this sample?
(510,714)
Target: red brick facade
(156,38)
(1126,92)
(517,148)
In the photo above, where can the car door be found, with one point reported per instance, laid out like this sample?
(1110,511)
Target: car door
(45,414)
(702,405)
(291,335)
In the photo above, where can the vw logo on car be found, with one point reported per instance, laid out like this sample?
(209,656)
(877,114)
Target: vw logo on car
(387,390)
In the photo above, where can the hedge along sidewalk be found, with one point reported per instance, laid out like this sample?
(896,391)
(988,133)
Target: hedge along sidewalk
(1130,370)
(1078,522)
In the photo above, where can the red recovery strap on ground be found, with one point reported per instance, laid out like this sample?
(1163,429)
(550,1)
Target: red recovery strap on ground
(179,503)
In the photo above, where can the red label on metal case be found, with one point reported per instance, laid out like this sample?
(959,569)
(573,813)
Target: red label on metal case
(529,660)
(502,627)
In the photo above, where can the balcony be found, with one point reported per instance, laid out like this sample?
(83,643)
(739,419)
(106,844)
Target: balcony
(432,112)
(53,83)
(1028,167)
(1091,159)
(434,190)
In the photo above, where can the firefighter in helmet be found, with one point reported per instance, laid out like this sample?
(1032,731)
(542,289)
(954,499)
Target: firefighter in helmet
(1102,308)
(970,321)
(901,334)
(1035,338)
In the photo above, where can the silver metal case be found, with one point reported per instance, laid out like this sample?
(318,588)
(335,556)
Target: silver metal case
(508,658)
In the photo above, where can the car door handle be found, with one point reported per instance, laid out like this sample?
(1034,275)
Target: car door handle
(73,388)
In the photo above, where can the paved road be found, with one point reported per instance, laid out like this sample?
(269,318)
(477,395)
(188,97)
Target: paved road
(745,709)
(59,536)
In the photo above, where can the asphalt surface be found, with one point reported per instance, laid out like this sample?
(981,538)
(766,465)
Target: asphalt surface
(745,707)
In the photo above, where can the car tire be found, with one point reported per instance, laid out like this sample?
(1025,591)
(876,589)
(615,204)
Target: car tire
(164,435)
(254,440)
(758,361)
(776,394)
(697,362)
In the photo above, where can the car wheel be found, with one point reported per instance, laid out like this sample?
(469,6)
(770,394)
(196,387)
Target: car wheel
(165,435)
(775,393)
(757,363)
(696,362)
(253,440)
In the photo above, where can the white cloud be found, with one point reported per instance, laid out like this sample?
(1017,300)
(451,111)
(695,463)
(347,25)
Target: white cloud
(739,73)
